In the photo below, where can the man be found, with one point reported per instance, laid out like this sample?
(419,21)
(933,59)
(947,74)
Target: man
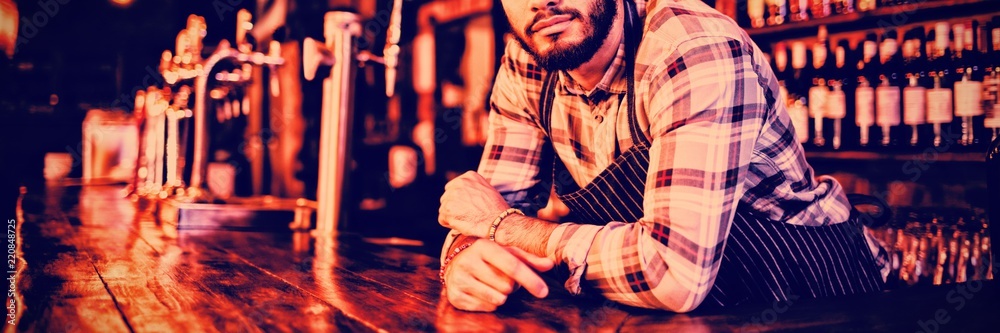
(659,125)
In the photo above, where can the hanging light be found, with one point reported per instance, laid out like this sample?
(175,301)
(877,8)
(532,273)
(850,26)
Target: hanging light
(8,27)
(122,3)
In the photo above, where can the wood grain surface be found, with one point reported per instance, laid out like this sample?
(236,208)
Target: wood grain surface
(93,262)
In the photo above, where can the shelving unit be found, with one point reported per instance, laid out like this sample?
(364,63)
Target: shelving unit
(929,10)
(930,155)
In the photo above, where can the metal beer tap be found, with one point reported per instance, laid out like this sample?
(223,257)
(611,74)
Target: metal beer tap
(174,147)
(341,30)
(239,54)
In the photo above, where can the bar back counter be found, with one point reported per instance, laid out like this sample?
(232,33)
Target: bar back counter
(92,261)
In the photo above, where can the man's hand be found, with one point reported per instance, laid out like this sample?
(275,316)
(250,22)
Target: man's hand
(470,204)
(482,276)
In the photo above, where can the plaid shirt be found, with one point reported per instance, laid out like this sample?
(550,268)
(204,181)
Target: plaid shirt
(706,98)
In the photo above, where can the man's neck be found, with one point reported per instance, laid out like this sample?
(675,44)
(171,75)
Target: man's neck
(590,73)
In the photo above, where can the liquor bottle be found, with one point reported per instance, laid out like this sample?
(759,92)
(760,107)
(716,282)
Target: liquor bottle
(798,10)
(798,89)
(864,95)
(939,98)
(820,90)
(914,95)
(777,12)
(887,95)
(799,114)
(991,82)
(968,87)
(821,8)
(841,7)
(993,188)
(755,10)
(866,5)
(836,101)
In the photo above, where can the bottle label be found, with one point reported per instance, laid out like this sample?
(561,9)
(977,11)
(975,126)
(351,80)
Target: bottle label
(799,59)
(755,8)
(993,123)
(819,55)
(968,98)
(914,105)
(870,50)
(817,101)
(996,39)
(888,49)
(781,58)
(864,106)
(941,30)
(958,41)
(800,121)
(887,111)
(939,106)
(836,105)
(841,57)
(991,100)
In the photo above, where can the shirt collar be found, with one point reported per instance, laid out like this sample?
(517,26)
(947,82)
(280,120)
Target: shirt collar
(612,82)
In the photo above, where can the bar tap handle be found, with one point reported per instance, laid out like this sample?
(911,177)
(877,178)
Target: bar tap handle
(196,30)
(243,26)
(273,55)
(391,52)
(314,54)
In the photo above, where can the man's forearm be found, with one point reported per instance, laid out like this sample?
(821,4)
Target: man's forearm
(526,233)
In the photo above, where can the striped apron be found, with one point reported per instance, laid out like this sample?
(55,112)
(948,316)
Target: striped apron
(763,260)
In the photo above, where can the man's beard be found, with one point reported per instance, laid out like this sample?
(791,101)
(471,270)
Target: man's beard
(566,56)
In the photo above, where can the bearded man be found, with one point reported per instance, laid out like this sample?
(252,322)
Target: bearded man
(659,125)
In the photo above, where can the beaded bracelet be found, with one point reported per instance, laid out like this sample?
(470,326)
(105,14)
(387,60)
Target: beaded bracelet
(496,222)
(448,259)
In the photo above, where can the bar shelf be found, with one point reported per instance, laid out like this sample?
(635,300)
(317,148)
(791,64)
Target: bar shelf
(931,154)
(926,11)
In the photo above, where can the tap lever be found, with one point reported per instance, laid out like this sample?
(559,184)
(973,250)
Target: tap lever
(314,54)
(243,26)
(391,52)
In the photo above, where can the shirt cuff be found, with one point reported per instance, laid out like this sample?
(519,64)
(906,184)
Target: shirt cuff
(570,243)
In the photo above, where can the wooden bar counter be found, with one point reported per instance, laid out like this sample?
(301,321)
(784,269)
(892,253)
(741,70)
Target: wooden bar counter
(88,261)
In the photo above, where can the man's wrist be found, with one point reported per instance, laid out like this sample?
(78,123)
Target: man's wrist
(527,233)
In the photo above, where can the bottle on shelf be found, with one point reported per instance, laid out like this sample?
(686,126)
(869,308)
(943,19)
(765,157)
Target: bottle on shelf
(839,82)
(821,8)
(991,80)
(798,90)
(887,94)
(798,10)
(968,85)
(796,110)
(866,5)
(841,7)
(864,95)
(755,10)
(993,207)
(777,12)
(914,94)
(939,98)
(819,91)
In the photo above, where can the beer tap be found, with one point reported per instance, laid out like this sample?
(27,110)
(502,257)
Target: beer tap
(341,30)
(154,142)
(139,115)
(174,155)
(240,54)
(390,53)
